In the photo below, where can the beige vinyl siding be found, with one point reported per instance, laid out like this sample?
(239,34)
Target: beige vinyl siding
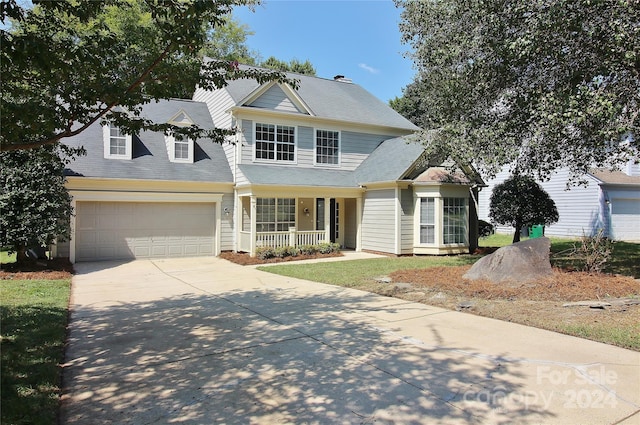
(379,221)
(407,205)
(276,99)
(227,224)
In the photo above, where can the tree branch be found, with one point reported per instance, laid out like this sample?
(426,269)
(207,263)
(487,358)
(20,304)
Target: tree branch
(70,133)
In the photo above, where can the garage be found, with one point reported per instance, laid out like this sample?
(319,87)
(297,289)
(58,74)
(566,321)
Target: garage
(625,219)
(128,230)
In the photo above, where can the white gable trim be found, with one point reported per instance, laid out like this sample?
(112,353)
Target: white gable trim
(291,94)
(181,119)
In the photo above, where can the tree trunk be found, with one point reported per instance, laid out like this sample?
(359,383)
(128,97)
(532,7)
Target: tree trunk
(516,234)
(21,254)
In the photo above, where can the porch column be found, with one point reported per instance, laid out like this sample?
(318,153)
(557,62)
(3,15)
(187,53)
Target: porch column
(252,250)
(327,220)
(359,224)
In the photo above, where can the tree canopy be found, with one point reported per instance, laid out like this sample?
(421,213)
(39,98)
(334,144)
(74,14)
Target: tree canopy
(294,65)
(537,84)
(67,65)
(520,201)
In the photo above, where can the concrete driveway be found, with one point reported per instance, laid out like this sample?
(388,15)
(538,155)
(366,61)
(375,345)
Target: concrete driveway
(204,341)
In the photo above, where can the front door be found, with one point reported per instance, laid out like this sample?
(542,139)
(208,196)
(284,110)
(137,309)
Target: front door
(334,218)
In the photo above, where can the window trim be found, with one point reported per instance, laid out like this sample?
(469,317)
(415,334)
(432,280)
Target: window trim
(275,159)
(276,213)
(315,148)
(106,139)
(171,141)
(439,220)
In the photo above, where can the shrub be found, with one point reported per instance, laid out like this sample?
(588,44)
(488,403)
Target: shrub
(286,251)
(265,253)
(328,248)
(594,251)
(308,249)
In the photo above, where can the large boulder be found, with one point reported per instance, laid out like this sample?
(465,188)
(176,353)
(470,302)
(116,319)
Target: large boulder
(521,262)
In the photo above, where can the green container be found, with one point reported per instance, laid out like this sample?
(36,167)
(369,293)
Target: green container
(536,231)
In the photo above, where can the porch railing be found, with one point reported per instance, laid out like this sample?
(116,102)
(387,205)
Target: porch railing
(291,238)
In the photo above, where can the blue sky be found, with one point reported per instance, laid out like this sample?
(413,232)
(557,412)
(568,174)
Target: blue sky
(357,39)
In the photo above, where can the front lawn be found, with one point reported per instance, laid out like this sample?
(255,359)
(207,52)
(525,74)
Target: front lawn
(33,320)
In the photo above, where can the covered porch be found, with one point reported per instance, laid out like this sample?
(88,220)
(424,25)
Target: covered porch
(278,219)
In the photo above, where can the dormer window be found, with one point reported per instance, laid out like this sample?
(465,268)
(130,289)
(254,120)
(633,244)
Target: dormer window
(117,145)
(179,150)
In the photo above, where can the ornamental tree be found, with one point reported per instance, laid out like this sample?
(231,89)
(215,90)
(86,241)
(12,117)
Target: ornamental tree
(68,64)
(36,208)
(537,84)
(520,201)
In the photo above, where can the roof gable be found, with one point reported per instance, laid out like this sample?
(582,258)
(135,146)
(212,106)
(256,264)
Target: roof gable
(278,97)
(324,98)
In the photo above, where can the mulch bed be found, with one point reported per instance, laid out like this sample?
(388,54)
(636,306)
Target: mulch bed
(245,259)
(58,268)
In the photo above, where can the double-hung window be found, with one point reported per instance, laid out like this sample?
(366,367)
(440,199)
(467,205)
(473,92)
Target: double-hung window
(275,214)
(327,147)
(275,142)
(117,144)
(179,150)
(427,220)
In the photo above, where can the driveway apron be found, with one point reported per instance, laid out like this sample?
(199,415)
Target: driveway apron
(204,341)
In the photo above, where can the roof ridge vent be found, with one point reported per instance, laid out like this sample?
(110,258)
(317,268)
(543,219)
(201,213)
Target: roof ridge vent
(342,79)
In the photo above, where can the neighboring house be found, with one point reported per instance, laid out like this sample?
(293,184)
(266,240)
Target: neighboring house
(325,162)
(610,201)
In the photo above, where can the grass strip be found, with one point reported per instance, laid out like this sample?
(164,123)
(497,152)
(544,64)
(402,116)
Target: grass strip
(33,320)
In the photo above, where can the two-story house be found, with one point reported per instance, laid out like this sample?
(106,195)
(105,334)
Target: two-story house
(324,162)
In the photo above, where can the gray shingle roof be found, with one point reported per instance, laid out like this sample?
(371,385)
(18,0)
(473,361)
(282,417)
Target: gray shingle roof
(355,103)
(294,176)
(390,161)
(150,157)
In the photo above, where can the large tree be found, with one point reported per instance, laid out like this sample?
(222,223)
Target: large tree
(68,64)
(538,84)
(305,68)
(229,42)
(36,208)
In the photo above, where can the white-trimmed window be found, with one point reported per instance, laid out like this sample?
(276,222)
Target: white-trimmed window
(117,145)
(454,221)
(275,142)
(179,150)
(442,221)
(327,147)
(275,214)
(427,220)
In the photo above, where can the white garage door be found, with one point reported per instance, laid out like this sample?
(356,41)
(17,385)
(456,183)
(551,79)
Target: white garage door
(124,230)
(625,219)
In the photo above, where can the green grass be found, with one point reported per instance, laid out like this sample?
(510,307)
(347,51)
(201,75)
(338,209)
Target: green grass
(356,273)
(5,258)
(33,319)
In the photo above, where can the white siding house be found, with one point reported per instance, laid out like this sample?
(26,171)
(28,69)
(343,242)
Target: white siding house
(609,201)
